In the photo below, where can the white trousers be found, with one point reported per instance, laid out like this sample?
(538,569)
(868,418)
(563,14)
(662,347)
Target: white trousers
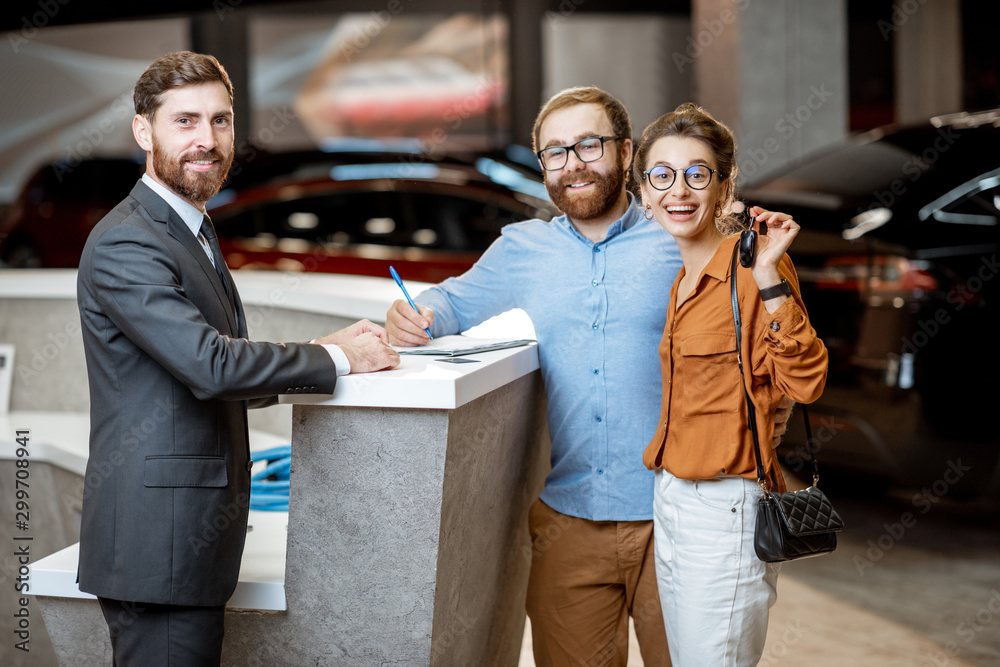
(714,591)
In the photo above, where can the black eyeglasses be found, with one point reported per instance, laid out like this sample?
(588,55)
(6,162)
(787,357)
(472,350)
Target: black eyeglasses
(661,177)
(588,150)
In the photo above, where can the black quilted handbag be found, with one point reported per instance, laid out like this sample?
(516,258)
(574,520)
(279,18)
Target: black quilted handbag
(793,524)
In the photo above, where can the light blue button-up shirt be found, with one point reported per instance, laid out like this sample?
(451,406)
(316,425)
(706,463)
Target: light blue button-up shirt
(598,310)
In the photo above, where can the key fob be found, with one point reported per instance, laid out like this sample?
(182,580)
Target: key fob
(748,248)
(748,242)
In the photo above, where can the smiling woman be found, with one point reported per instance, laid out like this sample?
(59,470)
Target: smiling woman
(715,592)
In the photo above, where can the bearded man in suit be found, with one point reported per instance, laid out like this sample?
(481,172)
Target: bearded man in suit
(171,375)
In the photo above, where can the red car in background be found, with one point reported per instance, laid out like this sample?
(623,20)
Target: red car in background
(360,213)
(351,211)
(47,225)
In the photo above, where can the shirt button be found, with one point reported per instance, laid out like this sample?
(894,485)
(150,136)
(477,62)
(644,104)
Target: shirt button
(599,419)
(595,326)
(600,471)
(597,249)
(594,283)
(775,326)
(597,372)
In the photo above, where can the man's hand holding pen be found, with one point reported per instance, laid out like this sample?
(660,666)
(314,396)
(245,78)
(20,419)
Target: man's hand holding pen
(405,326)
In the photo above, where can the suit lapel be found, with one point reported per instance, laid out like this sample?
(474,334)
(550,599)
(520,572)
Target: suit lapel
(161,211)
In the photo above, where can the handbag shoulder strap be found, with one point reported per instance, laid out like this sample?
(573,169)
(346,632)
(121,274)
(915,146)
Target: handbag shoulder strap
(751,413)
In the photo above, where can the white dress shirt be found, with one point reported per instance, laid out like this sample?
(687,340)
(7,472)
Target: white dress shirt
(193,218)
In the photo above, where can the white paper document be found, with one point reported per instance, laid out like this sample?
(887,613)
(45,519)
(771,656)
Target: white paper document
(457,346)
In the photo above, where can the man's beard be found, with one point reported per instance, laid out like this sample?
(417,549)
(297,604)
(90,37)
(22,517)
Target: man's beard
(607,190)
(192,186)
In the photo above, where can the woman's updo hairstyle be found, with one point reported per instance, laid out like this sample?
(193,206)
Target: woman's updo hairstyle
(691,120)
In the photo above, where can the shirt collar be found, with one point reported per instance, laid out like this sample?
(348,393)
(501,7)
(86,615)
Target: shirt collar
(628,220)
(718,267)
(631,216)
(191,216)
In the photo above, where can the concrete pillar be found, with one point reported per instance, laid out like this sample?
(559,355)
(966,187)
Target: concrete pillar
(775,71)
(525,44)
(928,58)
(577,50)
(222,33)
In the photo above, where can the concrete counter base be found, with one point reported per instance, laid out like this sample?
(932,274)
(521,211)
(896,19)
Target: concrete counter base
(407,540)
(407,536)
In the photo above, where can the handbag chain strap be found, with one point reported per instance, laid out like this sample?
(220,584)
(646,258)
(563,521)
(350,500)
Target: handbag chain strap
(751,412)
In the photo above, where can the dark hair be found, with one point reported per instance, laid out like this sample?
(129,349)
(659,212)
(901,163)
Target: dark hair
(620,123)
(692,121)
(176,70)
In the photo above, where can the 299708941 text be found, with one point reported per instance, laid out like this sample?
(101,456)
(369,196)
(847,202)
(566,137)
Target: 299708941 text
(22,540)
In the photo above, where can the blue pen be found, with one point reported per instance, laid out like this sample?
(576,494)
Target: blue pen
(395,276)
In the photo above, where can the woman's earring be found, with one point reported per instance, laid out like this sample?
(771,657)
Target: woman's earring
(647,213)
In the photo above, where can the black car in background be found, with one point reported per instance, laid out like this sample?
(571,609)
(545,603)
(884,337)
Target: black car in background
(898,264)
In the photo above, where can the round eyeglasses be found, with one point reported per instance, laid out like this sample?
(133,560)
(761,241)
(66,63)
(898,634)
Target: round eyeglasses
(588,149)
(661,177)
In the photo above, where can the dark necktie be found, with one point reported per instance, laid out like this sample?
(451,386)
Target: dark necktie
(208,231)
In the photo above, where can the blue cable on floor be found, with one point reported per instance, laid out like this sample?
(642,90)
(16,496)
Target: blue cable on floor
(269,487)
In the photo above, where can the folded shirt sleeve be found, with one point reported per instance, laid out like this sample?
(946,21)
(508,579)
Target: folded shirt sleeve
(787,349)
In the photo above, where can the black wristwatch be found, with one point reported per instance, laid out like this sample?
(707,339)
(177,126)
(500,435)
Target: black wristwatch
(781,289)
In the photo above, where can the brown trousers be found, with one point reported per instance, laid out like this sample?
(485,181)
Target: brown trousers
(586,578)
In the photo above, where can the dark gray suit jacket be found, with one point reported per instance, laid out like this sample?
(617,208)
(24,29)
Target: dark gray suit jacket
(171,376)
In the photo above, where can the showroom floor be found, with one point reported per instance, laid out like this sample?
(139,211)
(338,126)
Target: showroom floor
(903,589)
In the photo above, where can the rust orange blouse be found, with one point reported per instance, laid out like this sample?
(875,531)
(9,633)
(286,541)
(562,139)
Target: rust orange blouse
(702,431)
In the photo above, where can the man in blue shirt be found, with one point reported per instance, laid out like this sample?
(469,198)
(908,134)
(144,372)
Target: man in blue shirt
(595,283)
